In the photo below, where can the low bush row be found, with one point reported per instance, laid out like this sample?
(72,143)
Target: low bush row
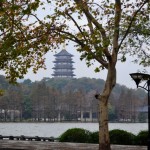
(121,137)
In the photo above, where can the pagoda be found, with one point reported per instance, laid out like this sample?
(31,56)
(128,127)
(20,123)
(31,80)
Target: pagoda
(63,65)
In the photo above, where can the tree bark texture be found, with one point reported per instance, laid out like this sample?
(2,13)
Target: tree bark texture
(104,141)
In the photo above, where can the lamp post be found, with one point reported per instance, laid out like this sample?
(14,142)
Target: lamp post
(139,77)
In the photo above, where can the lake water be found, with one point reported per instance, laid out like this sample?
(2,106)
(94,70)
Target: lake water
(56,129)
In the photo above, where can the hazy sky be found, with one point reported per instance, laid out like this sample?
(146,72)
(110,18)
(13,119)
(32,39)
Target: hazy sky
(81,70)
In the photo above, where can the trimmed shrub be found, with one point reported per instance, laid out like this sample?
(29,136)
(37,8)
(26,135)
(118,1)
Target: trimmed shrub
(117,136)
(76,135)
(94,137)
(121,137)
(142,138)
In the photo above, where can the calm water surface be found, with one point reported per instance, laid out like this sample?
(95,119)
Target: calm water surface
(56,129)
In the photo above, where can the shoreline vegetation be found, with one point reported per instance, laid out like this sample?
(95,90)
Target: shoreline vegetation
(57,100)
(117,136)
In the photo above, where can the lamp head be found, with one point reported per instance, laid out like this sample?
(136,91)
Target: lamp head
(138,77)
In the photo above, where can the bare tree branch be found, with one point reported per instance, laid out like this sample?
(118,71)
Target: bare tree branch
(76,24)
(131,22)
(116,27)
(76,40)
(83,6)
(97,5)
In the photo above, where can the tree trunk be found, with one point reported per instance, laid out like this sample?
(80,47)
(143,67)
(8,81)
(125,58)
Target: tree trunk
(104,140)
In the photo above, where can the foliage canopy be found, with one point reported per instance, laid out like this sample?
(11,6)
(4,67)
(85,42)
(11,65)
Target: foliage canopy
(98,28)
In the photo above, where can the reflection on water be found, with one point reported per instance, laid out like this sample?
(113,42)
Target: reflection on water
(56,129)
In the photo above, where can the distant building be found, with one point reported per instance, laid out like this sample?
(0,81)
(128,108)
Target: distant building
(143,109)
(143,114)
(10,115)
(63,65)
(87,116)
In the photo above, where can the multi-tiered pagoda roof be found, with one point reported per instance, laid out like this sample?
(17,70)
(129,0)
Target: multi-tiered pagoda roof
(63,65)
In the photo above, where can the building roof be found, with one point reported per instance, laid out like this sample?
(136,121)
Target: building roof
(63,53)
(63,67)
(143,109)
(63,74)
(63,61)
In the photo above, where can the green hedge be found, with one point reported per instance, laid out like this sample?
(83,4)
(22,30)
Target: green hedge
(94,137)
(76,135)
(142,138)
(120,137)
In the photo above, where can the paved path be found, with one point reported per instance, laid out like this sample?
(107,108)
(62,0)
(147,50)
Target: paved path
(38,145)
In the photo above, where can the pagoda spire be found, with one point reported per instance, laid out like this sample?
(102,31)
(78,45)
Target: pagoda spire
(64,46)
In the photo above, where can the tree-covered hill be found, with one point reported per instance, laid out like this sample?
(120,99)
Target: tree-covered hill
(86,85)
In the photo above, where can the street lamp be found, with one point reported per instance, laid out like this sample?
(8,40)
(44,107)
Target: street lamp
(139,77)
